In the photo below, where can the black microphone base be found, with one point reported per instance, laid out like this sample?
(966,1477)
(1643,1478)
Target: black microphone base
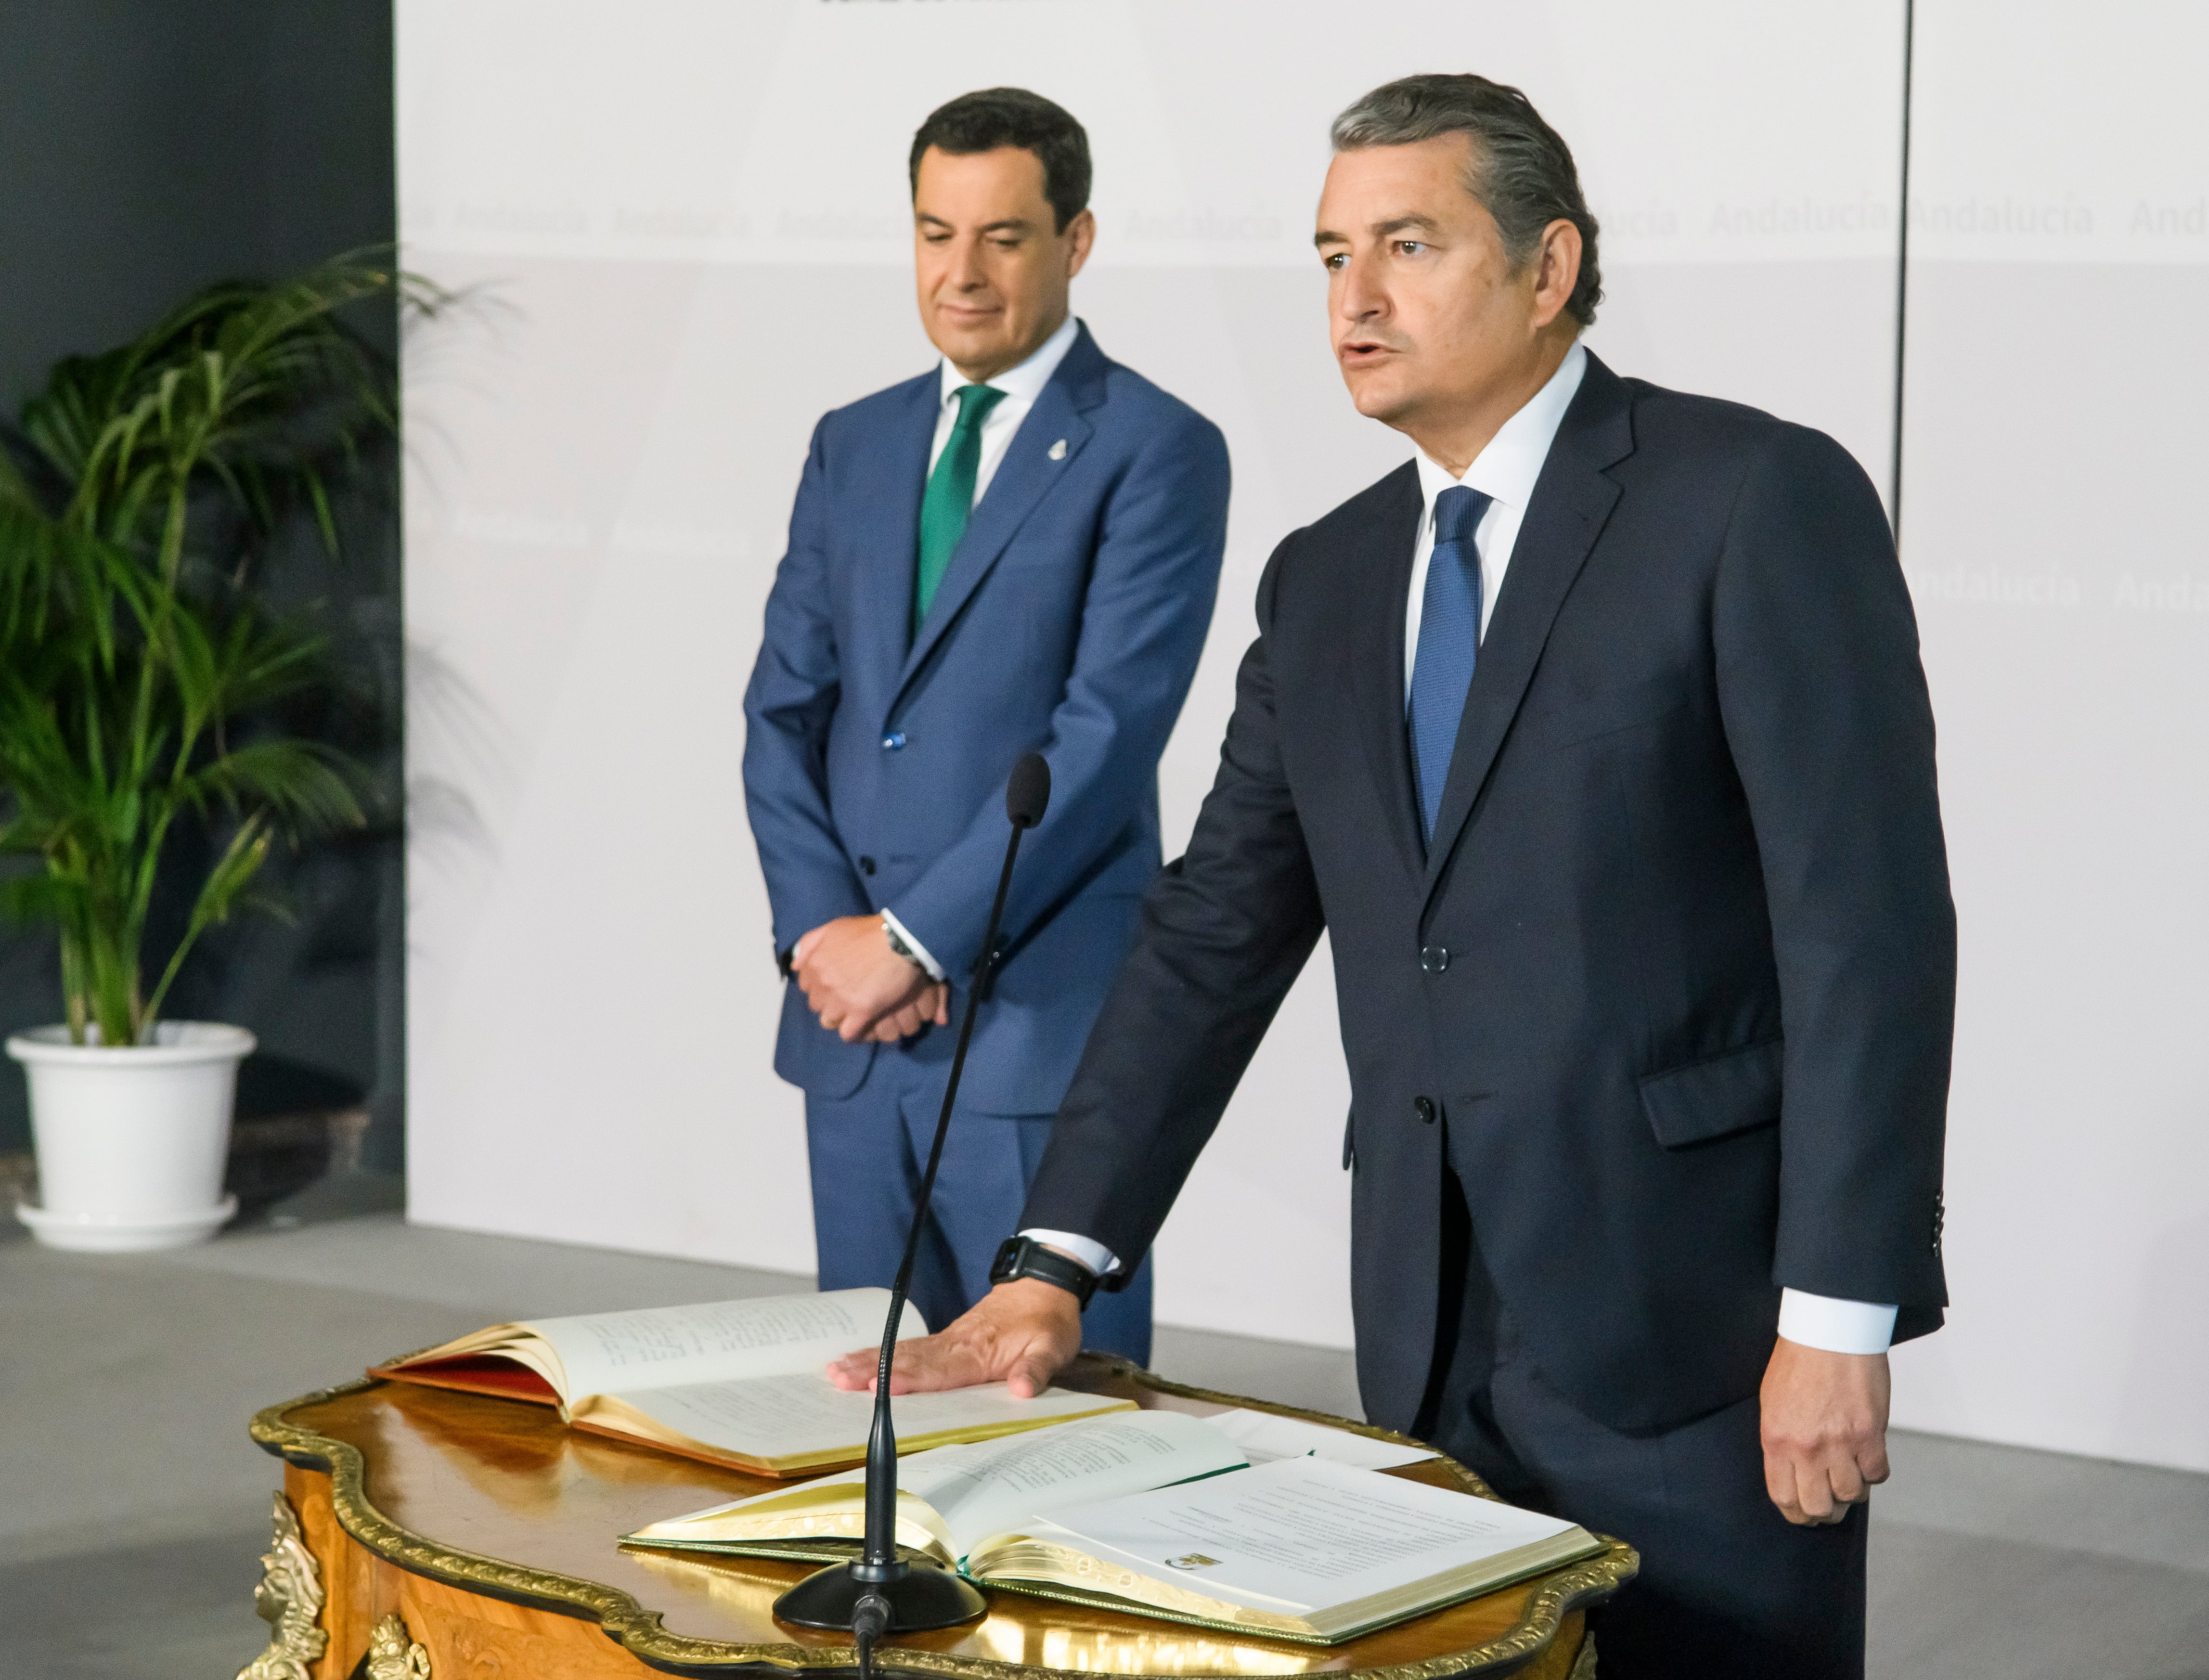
(922,1596)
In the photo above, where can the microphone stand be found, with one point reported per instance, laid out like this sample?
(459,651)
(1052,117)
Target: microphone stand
(882,1592)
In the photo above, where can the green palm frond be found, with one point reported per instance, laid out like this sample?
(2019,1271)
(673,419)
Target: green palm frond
(241,860)
(258,394)
(35,896)
(308,786)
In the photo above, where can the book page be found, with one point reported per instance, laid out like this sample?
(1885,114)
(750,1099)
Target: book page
(1267,1437)
(1301,1534)
(985,1487)
(801,1412)
(714,1342)
(1006,1485)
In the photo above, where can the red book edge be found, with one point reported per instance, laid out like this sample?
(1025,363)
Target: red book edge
(474,1374)
(502,1378)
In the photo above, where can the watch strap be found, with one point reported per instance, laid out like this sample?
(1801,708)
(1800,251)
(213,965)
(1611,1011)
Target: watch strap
(1024,1257)
(899,946)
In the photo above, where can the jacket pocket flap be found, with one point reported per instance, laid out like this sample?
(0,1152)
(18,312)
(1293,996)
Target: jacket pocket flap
(1704,1101)
(1591,716)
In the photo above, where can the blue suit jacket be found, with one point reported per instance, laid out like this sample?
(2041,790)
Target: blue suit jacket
(1070,623)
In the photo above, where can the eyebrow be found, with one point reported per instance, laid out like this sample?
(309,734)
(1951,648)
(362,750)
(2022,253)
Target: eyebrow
(1007,225)
(1380,230)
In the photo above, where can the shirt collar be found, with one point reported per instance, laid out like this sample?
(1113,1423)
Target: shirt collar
(1026,381)
(1505,470)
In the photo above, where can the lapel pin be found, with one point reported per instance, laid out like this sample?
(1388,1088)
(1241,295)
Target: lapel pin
(1058,450)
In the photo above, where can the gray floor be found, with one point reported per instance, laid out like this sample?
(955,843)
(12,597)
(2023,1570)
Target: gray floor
(132,1507)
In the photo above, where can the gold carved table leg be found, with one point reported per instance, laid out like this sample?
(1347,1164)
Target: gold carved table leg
(442,1633)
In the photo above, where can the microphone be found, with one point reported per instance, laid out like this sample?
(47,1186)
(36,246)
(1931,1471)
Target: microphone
(1028,794)
(882,1592)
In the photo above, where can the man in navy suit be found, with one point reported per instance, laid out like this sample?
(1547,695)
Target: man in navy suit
(1018,550)
(1596,739)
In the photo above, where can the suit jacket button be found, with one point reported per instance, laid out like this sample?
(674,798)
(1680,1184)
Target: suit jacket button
(866,866)
(1424,1108)
(893,742)
(1434,958)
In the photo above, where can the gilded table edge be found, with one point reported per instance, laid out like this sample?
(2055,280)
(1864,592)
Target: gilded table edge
(638,1630)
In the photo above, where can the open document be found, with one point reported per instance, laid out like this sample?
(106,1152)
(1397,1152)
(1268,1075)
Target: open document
(1300,1549)
(952,1498)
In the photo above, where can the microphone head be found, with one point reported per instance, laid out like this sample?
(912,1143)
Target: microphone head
(1027,795)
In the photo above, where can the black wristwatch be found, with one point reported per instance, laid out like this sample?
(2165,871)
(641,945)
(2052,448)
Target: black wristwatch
(1024,1257)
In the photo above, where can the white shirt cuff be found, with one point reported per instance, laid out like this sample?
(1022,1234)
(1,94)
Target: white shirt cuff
(1093,1254)
(1837,1327)
(935,968)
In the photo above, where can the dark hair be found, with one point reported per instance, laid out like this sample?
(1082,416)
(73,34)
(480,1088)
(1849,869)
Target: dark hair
(1522,171)
(996,117)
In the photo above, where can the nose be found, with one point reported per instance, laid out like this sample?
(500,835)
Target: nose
(1359,295)
(966,271)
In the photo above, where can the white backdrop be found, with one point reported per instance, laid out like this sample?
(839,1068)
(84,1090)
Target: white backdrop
(2052,526)
(688,226)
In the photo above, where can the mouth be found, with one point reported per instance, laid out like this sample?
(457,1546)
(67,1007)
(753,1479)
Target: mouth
(1362,353)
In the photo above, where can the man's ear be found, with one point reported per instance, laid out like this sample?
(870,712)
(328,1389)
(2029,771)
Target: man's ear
(1082,237)
(1558,271)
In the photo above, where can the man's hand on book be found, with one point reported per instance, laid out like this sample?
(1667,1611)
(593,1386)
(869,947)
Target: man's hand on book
(1021,1333)
(1825,1431)
(862,989)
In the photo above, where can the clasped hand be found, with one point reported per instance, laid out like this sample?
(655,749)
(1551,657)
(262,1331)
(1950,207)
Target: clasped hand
(862,989)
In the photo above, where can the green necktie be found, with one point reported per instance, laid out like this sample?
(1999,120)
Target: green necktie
(950,495)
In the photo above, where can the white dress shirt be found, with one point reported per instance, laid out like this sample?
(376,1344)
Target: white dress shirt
(1021,385)
(1506,470)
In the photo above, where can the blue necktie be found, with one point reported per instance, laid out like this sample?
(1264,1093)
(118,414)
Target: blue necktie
(1449,641)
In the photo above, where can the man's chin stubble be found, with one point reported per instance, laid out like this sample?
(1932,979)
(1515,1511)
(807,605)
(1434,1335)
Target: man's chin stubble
(1377,404)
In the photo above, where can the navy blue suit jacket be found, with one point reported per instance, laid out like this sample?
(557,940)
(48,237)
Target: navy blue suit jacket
(1070,623)
(1670,993)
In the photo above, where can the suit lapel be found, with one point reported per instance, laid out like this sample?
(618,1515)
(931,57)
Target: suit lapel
(1041,452)
(883,605)
(1572,500)
(1382,580)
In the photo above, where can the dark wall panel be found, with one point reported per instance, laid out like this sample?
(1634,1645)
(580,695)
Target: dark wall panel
(148,147)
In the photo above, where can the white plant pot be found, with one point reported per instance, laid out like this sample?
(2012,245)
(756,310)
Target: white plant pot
(131,1142)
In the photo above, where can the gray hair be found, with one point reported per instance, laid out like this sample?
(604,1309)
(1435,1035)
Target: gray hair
(1521,171)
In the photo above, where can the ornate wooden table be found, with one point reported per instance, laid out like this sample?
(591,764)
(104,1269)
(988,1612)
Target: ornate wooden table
(424,1535)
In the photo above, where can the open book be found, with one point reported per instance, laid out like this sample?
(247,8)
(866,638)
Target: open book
(1141,1513)
(733,1383)
(951,1499)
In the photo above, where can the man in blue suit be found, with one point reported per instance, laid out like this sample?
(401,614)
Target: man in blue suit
(1018,550)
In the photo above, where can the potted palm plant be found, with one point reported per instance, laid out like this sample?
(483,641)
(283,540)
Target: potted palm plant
(143,680)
